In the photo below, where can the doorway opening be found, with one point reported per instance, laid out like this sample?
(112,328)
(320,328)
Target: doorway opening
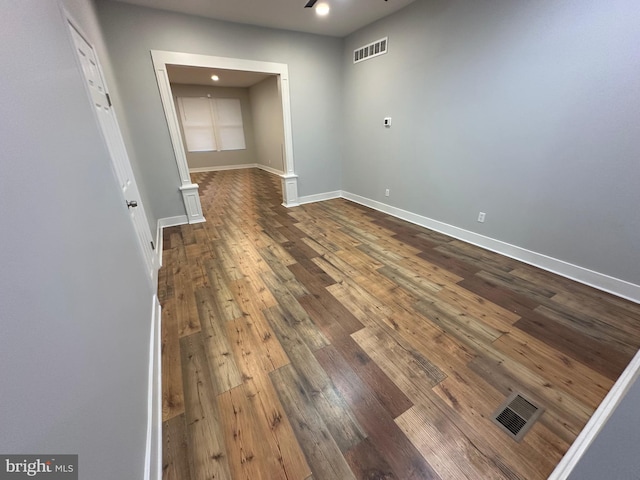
(166,63)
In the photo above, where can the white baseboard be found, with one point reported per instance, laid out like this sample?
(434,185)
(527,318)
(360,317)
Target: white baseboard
(615,286)
(163,223)
(269,169)
(173,221)
(222,167)
(153,451)
(319,197)
(597,421)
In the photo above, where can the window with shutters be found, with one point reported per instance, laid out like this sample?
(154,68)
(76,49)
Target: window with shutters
(211,124)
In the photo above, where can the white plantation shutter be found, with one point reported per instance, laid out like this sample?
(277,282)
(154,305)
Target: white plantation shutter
(197,122)
(229,124)
(212,124)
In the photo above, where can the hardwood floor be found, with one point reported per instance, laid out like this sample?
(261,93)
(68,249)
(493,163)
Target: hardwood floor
(331,341)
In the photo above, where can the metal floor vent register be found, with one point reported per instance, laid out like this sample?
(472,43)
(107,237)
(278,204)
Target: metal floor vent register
(516,416)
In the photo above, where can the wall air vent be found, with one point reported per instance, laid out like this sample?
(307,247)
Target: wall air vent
(379,47)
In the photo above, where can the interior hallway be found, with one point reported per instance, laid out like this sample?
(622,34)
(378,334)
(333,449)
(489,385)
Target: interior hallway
(333,341)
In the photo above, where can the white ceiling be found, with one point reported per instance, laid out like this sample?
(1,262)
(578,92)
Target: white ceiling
(202,76)
(346,16)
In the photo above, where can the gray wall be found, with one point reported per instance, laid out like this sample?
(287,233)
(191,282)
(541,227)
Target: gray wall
(528,111)
(315,75)
(84,13)
(228,157)
(266,104)
(75,304)
(614,452)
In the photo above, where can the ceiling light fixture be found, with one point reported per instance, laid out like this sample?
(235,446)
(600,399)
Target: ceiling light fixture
(215,78)
(322,9)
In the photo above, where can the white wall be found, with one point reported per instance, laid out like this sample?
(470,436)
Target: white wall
(528,111)
(268,121)
(75,304)
(228,157)
(314,77)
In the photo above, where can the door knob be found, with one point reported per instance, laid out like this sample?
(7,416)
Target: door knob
(132,204)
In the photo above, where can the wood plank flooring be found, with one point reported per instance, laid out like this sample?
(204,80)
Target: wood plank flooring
(331,341)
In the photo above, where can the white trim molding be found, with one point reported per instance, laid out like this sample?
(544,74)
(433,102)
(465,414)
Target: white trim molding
(320,197)
(172,221)
(220,168)
(192,203)
(289,190)
(189,190)
(160,61)
(597,421)
(270,169)
(615,286)
(162,224)
(153,450)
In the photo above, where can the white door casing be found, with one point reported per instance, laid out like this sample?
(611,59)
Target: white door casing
(189,190)
(120,159)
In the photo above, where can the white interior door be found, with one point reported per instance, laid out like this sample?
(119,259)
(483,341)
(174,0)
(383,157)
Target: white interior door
(115,143)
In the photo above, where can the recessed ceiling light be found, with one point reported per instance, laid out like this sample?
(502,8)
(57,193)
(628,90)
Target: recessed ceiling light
(322,9)
(215,78)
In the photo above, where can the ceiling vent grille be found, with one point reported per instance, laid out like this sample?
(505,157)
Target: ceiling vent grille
(377,48)
(516,416)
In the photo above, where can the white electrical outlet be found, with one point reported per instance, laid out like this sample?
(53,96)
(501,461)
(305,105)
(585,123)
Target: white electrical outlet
(386,192)
(481,216)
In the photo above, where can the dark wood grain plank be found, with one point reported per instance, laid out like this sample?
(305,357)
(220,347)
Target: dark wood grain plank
(330,326)
(175,463)
(610,335)
(300,250)
(322,452)
(311,276)
(315,386)
(367,463)
(420,243)
(572,343)
(395,448)
(387,393)
(449,263)
(499,295)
